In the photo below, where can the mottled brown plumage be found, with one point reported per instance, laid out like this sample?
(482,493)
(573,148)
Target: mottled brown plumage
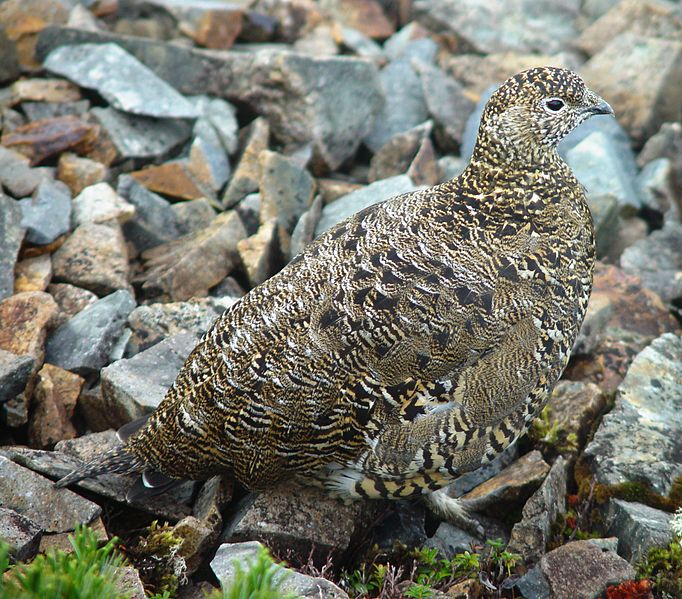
(408,344)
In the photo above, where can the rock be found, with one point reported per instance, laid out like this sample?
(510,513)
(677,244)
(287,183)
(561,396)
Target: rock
(141,138)
(666,143)
(451,167)
(606,215)
(318,42)
(197,538)
(642,78)
(230,554)
(450,540)
(54,402)
(42,139)
(95,257)
(304,232)
(650,18)
(120,79)
(529,537)
(207,160)
(174,179)
(134,387)
(85,342)
(333,189)
(470,480)
(638,528)
(34,497)
(194,216)
(154,221)
(260,254)
(397,154)
(401,523)
(46,215)
(511,486)
(657,259)
(44,90)
(70,300)
(33,274)
(16,176)
(11,236)
(222,116)
(597,317)
(247,174)
(249,211)
(361,198)
(79,173)
(286,190)
(657,186)
(396,45)
(486,26)
(131,583)
(630,231)
(14,374)
(191,265)
(20,533)
(298,518)
(99,203)
(581,570)
(641,438)
(154,322)
(9,64)
(358,43)
(38,111)
(366,16)
(534,585)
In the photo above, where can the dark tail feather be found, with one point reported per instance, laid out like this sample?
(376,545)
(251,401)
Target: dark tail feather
(114,461)
(150,484)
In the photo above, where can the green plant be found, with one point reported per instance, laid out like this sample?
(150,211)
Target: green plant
(89,572)
(662,566)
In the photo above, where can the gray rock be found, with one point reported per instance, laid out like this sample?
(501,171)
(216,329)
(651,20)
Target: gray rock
(34,497)
(154,221)
(534,585)
(193,216)
(155,322)
(657,260)
(119,78)
(304,232)
(14,374)
(47,214)
(134,387)
(360,44)
(70,299)
(450,540)
(222,116)
(598,165)
(357,200)
(640,440)
(398,153)
(471,126)
(657,188)
(606,215)
(9,63)
(581,570)
(469,480)
(607,544)
(247,174)
(402,523)
(207,159)
(100,203)
(21,534)
(451,167)
(85,342)
(599,312)
(141,138)
(529,537)
(11,236)
(638,528)
(230,554)
(249,211)
(487,26)
(260,254)
(36,111)
(16,176)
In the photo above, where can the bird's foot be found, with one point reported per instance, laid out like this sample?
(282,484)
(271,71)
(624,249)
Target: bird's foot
(453,511)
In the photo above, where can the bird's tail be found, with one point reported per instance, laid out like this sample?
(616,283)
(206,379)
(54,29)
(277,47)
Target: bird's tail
(115,461)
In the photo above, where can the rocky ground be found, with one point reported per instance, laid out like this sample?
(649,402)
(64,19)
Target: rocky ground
(159,158)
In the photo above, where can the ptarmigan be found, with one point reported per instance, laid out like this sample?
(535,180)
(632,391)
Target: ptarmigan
(409,343)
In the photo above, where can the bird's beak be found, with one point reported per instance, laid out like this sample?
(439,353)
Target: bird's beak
(602,107)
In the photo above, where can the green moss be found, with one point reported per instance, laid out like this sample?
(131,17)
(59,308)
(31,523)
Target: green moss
(547,434)
(662,566)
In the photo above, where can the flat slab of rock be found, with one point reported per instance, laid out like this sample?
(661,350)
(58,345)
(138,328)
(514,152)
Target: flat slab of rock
(33,496)
(14,374)
(21,534)
(11,236)
(638,527)
(120,78)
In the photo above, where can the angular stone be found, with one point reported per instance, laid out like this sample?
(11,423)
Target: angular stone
(38,111)
(304,232)
(642,78)
(155,322)
(46,216)
(249,211)
(207,159)
(333,189)
(599,313)
(395,156)
(120,79)
(424,169)
(99,203)
(260,254)
(533,584)
(450,540)
(16,176)
(358,43)
(228,554)
(657,186)
(174,179)
(9,64)
(581,570)
(641,438)
(191,265)
(154,221)
(318,42)
(11,236)
(94,257)
(34,497)
(44,90)
(606,212)
(33,274)
(657,260)
(130,583)
(638,528)
(134,387)
(362,198)
(141,138)
(70,299)
(486,26)
(85,342)
(79,173)
(247,174)
(366,16)
(222,116)
(286,190)
(14,374)
(39,140)
(529,537)
(194,216)
(21,534)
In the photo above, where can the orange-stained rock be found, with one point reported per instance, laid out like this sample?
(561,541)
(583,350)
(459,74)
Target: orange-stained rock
(366,16)
(33,274)
(218,29)
(172,179)
(44,90)
(79,173)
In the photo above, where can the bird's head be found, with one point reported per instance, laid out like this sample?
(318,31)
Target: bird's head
(532,112)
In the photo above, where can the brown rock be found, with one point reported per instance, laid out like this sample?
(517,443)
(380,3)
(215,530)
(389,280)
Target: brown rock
(44,90)
(396,156)
(79,173)
(33,274)
(94,257)
(41,139)
(333,189)
(70,299)
(246,175)
(424,169)
(54,401)
(259,254)
(173,179)
(642,79)
(216,29)
(189,266)
(294,18)
(582,570)
(197,537)
(367,16)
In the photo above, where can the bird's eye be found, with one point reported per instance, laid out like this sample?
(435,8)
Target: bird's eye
(554,104)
